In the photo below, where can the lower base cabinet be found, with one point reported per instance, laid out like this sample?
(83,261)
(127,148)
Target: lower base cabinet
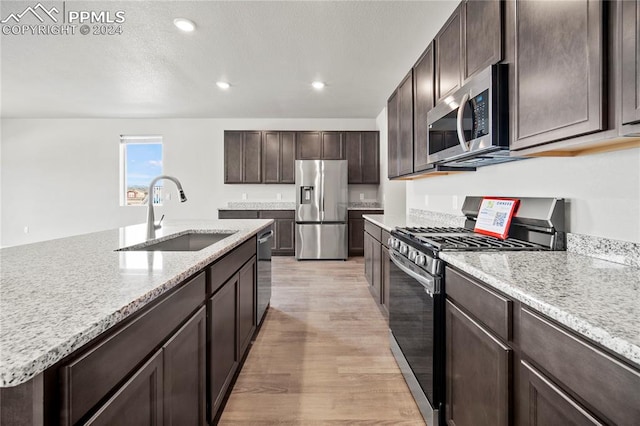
(376,263)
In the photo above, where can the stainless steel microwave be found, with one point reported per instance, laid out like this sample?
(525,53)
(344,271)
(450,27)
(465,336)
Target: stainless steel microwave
(471,125)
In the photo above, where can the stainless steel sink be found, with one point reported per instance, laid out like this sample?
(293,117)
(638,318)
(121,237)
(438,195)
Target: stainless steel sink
(191,241)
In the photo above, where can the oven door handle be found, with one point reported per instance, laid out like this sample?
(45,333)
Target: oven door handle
(428,283)
(460,127)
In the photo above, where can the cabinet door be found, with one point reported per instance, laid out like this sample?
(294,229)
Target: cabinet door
(449,56)
(370,157)
(630,38)
(478,372)
(223,347)
(353,143)
(252,157)
(308,146)
(386,278)
(558,88)
(138,401)
(246,305)
(482,35)
(405,125)
(392,136)
(544,404)
(368,257)
(356,236)
(285,236)
(332,146)
(185,373)
(423,102)
(232,157)
(377,270)
(271,155)
(287,157)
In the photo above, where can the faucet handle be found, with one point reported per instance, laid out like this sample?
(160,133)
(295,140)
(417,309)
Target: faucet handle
(159,224)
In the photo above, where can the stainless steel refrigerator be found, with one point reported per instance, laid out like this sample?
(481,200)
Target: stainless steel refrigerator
(322,198)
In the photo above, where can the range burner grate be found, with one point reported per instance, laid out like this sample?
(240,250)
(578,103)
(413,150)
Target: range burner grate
(476,242)
(434,230)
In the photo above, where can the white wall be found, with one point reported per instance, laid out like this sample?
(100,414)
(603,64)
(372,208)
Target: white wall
(393,193)
(603,190)
(59,177)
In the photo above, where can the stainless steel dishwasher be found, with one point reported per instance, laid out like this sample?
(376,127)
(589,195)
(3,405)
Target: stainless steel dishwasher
(263,296)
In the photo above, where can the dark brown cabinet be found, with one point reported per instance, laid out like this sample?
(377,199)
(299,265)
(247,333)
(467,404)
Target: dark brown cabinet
(319,145)
(424,100)
(405,125)
(448,43)
(630,60)
(376,263)
(558,92)
(478,373)
(356,230)
(138,401)
(392,136)
(481,35)
(246,305)
(185,373)
(371,272)
(242,157)
(279,155)
(283,241)
(386,278)
(362,154)
(223,347)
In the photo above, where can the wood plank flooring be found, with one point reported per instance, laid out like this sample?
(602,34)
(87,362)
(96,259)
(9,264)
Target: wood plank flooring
(322,356)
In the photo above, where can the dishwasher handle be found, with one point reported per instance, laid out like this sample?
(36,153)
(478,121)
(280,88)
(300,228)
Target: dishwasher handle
(265,237)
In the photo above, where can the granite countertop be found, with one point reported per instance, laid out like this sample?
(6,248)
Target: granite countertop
(291,205)
(596,298)
(57,295)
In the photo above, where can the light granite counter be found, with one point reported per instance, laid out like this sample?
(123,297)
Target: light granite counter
(596,298)
(56,296)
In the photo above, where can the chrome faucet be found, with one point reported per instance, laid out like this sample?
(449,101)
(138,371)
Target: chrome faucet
(151,225)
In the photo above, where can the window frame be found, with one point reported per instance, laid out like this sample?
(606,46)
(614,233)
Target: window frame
(133,140)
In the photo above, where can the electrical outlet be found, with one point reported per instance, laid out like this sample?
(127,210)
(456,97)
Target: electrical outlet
(168,196)
(361,196)
(26,229)
(244,195)
(454,202)
(278,196)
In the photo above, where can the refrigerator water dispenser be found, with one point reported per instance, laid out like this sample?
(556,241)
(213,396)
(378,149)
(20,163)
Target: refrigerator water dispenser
(306,194)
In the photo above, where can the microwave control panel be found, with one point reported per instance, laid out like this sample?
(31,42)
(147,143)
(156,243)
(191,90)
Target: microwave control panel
(480,113)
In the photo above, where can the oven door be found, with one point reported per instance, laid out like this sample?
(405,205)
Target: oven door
(416,320)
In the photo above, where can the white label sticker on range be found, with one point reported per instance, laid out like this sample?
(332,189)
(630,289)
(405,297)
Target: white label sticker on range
(494,216)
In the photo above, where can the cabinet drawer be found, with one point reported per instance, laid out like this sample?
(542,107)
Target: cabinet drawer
(90,377)
(603,382)
(373,230)
(277,214)
(237,214)
(384,238)
(490,308)
(223,269)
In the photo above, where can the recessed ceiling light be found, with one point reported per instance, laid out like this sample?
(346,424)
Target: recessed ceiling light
(223,85)
(184,24)
(318,85)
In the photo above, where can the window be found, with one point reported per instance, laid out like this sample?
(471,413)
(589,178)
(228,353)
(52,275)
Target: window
(140,162)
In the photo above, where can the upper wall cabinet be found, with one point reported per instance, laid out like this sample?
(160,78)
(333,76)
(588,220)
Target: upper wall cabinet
(242,157)
(405,125)
(629,16)
(278,159)
(392,135)
(319,145)
(449,55)
(362,152)
(481,35)
(423,101)
(558,92)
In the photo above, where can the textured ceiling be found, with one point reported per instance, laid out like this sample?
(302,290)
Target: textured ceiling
(269,52)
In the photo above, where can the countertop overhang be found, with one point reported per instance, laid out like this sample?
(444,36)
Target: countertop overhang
(57,295)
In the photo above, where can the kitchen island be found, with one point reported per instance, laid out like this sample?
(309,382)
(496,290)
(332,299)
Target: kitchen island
(62,301)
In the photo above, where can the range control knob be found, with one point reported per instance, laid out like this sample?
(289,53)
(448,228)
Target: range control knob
(390,242)
(395,244)
(404,249)
(421,259)
(412,255)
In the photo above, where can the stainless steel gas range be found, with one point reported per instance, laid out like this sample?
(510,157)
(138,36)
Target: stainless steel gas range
(417,287)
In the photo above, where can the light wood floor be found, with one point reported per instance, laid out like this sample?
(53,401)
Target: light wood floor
(322,356)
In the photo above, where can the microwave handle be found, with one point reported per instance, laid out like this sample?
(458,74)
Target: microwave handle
(461,138)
